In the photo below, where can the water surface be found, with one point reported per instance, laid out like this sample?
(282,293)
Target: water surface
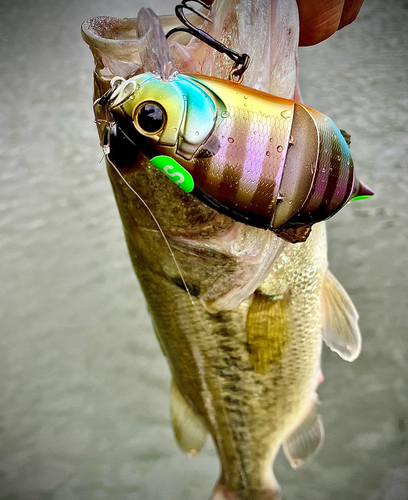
(83,384)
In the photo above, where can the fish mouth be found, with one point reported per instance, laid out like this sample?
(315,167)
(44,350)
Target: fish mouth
(117,46)
(118,49)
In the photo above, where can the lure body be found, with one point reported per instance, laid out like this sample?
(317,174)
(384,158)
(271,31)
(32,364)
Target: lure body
(264,160)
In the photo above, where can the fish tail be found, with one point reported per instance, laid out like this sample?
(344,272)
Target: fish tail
(221,492)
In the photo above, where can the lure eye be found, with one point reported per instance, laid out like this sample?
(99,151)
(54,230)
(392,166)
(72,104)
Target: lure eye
(150,118)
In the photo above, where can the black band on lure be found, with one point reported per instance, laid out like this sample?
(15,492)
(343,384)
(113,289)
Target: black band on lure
(251,219)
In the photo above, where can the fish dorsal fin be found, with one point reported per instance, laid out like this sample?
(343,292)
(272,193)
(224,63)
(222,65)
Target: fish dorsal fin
(189,428)
(340,329)
(267,330)
(347,137)
(306,439)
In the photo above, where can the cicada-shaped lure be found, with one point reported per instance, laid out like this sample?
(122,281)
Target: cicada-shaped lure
(266,161)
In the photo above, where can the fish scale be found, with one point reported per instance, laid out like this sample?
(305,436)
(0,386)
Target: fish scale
(249,426)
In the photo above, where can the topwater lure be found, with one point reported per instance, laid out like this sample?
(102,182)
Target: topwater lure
(263,160)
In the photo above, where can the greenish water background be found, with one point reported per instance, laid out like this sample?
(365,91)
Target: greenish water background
(83,384)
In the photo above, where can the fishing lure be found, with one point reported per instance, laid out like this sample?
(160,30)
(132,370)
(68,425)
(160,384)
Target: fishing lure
(263,160)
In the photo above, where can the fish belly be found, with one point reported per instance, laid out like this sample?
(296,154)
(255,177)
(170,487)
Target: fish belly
(249,373)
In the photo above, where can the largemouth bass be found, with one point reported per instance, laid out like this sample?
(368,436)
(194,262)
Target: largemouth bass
(239,313)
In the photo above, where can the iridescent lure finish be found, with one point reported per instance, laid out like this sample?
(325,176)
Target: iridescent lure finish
(263,160)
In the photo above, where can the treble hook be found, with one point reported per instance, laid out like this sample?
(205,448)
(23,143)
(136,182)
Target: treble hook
(241,61)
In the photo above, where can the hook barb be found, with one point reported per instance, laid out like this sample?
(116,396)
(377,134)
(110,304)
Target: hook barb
(241,61)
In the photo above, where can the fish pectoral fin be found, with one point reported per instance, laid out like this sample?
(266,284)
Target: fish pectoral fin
(267,329)
(306,439)
(189,428)
(347,137)
(340,329)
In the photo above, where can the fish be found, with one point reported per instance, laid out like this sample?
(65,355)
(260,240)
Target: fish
(240,313)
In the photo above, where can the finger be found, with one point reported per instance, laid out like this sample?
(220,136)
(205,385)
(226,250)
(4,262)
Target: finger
(319,19)
(350,11)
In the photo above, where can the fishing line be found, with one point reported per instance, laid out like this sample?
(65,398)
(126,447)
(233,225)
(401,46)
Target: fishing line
(159,227)
(106,149)
(196,353)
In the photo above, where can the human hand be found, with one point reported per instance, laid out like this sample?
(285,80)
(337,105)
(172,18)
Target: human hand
(319,19)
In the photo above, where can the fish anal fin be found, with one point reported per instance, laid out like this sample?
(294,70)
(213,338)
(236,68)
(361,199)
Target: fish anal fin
(306,439)
(347,137)
(189,428)
(267,330)
(340,329)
